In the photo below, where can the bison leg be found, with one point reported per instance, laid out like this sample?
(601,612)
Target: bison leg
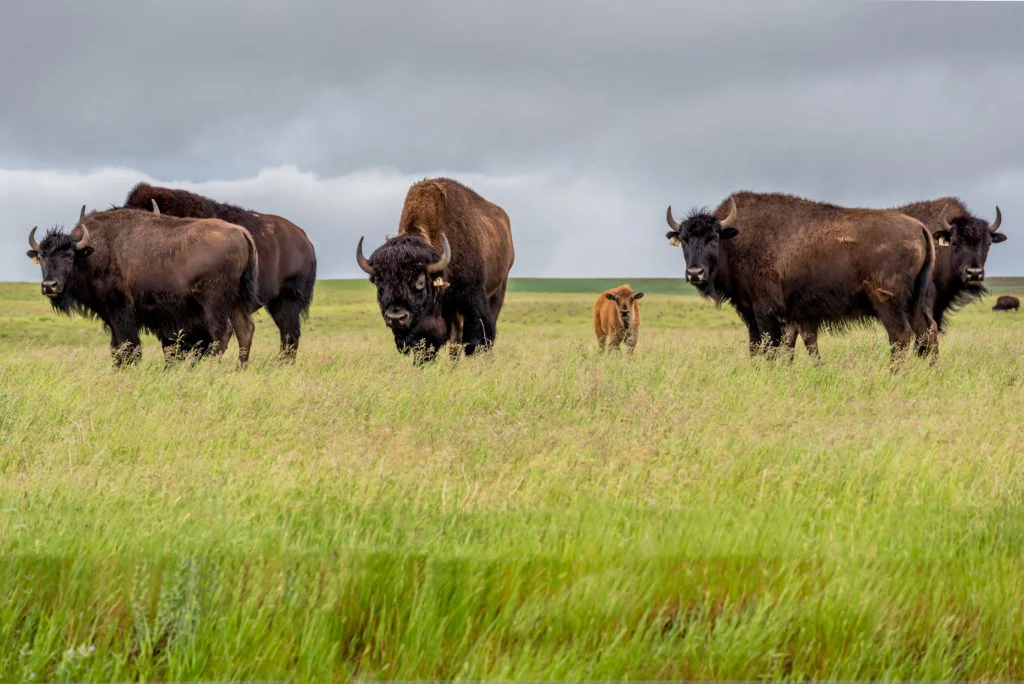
(125,345)
(241,321)
(809,333)
(771,332)
(286,313)
(897,326)
(478,326)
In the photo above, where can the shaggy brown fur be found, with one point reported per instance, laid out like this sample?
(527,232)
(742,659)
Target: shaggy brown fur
(617,318)
(798,261)
(1007,303)
(462,306)
(287,257)
(966,246)
(167,275)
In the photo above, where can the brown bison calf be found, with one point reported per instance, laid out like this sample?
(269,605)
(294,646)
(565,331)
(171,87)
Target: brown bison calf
(1006,302)
(617,317)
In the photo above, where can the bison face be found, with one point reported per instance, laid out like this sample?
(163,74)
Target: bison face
(406,271)
(968,240)
(701,235)
(624,299)
(57,256)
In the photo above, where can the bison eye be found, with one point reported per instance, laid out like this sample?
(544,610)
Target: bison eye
(421,282)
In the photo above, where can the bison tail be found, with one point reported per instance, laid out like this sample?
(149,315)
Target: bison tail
(306,292)
(249,288)
(924,276)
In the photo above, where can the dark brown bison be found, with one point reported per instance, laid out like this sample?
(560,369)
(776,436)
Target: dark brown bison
(443,277)
(287,257)
(617,318)
(1007,303)
(962,244)
(782,259)
(136,271)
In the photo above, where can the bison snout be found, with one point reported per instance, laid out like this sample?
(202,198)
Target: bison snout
(50,288)
(974,275)
(397,318)
(696,274)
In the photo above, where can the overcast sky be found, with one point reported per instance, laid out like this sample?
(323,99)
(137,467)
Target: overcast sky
(582,119)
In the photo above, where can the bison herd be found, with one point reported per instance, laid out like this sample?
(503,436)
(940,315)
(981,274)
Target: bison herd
(192,271)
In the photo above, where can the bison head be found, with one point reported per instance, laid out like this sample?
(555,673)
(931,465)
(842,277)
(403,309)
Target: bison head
(701,235)
(624,298)
(968,239)
(57,256)
(408,275)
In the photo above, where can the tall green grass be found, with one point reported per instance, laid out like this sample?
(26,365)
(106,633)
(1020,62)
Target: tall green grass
(540,512)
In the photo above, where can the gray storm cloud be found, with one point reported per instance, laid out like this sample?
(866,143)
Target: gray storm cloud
(582,120)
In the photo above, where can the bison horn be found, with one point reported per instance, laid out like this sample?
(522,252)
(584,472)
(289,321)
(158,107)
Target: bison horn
(942,219)
(156,207)
(361,260)
(81,216)
(32,239)
(731,218)
(441,264)
(671,221)
(998,221)
(85,237)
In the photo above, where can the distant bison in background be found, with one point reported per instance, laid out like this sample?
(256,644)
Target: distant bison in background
(136,271)
(617,317)
(443,277)
(781,259)
(287,258)
(1006,303)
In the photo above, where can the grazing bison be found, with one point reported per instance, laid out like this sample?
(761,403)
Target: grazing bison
(443,277)
(287,257)
(136,271)
(617,317)
(962,244)
(1007,303)
(782,259)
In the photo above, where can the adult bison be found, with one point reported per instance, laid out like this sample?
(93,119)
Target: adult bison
(962,244)
(287,257)
(782,259)
(1007,303)
(136,271)
(443,277)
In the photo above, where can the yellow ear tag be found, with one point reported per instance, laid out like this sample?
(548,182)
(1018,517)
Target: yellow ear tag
(35,260)
(673,241)
(438,282)
(943,242)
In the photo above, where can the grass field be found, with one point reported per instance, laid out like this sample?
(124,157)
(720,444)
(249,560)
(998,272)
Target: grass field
(541,512)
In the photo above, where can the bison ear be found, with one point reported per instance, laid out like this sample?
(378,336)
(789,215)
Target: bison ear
(998,237)
(609,295)
(33,255)
(638,295)
(942,237)
(728,233)
(673,238)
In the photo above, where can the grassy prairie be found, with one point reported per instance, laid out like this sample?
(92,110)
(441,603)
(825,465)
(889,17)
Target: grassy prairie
(541,512)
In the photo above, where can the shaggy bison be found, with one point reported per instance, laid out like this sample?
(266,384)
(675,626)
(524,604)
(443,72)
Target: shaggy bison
(962,244)
(1007,303)
(443,277)
(617,317)
(782,259)
(136,271)
(287,257)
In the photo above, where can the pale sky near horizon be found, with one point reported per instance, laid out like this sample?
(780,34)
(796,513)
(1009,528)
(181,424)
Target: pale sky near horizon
(583,120)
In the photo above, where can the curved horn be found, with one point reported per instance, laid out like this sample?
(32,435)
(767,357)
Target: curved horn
(156,208)
(441,264)
(731,218)
(85,237)
(942,219)
(32,239)
(671,221)
(361,260)
(81,216)
(998,221)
